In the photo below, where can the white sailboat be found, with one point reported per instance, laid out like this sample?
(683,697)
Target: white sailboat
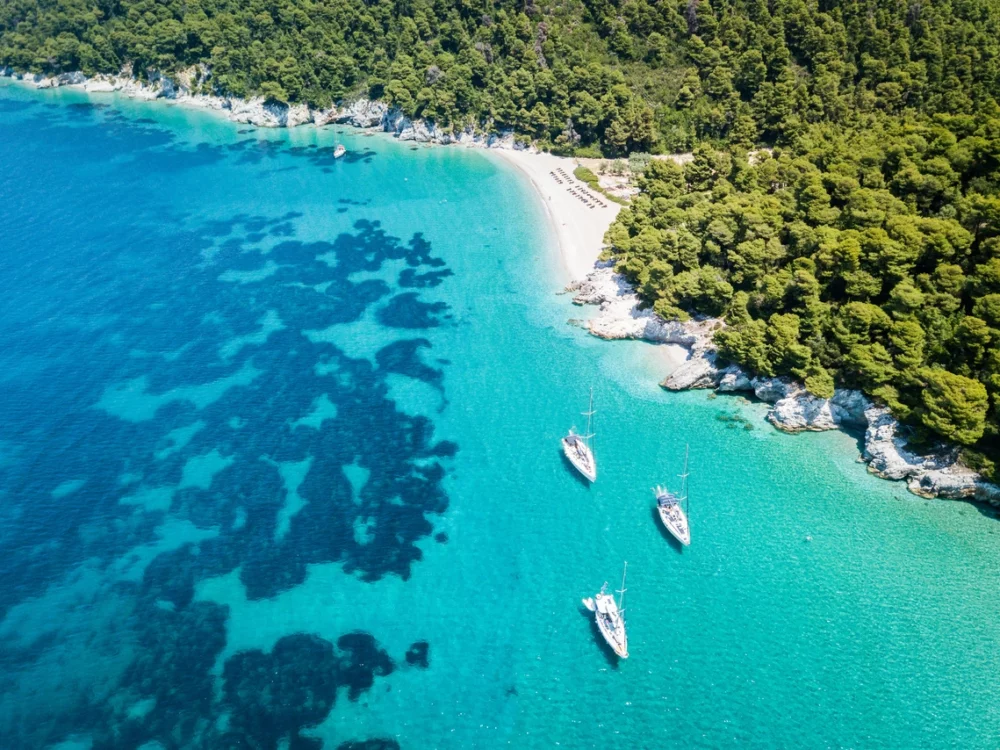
(577,447)
(339,151)
(610,616)
(673,508)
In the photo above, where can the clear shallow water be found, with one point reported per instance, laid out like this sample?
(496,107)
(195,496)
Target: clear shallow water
(279,467)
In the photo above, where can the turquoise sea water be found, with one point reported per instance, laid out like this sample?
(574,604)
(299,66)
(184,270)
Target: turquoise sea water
(279,468)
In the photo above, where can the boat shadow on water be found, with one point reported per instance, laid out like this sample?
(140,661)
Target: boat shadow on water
(671,539)
(614,661)
(582,480)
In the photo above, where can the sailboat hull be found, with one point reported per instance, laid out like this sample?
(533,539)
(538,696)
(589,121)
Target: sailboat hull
(579,454)
(611,624)
(620,649)
(675,521)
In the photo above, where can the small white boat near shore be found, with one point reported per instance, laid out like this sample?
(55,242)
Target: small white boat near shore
(339,151)
(577,448)
(673,508)
(610,617)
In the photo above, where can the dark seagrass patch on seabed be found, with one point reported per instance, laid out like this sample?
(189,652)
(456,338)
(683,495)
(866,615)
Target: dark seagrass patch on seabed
(418,654)
(302,675)
(373,744)
(179,320)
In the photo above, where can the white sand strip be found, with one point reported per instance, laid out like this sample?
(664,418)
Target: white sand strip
(579,228)
(580,232)
(668,357)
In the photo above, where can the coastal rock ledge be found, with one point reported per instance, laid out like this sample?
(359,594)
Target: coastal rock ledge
(937,473)
(178,89)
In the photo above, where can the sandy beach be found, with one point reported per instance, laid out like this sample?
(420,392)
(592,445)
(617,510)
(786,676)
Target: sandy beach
(579,215)
(579,227)
(580,231)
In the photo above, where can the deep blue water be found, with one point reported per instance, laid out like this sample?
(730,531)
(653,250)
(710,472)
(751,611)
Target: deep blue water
(279,469)
(165,420)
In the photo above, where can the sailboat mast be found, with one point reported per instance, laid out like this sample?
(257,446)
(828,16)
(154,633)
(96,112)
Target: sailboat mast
(621,599)
(589,415)
(684,477)
(590,409)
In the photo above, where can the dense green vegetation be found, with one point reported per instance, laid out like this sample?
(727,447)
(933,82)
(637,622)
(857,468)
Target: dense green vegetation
(592,181)
(503,64)
(865,251)
(623,76)
(866,256)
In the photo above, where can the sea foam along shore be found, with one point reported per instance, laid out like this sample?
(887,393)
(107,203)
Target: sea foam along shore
(937,473)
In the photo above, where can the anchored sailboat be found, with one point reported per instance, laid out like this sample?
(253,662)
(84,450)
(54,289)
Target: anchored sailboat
(672,513)
(610,616)
(577,447)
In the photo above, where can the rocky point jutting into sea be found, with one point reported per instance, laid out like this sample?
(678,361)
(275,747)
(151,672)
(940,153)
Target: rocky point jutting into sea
(937,473)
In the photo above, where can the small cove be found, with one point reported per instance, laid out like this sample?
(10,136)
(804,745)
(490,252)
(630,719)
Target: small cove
(271,419)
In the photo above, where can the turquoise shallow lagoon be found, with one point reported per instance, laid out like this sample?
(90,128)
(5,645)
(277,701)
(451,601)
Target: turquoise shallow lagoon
(279,468)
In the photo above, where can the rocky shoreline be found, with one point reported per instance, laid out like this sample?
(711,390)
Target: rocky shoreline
(793,409)
(360,113)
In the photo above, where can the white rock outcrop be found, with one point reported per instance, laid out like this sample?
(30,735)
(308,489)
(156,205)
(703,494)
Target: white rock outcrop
(99,85)
(697,371)
(179,87)
(797,410)
(886,451)
(773,390)
(265,114)
(732,379)
(361,114)
(622,317)
(955,482)
(937,473)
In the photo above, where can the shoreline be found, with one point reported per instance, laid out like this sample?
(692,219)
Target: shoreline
(579,225)
(580,219)
(938,472)
(580,232)
(579,216)
(362,113)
